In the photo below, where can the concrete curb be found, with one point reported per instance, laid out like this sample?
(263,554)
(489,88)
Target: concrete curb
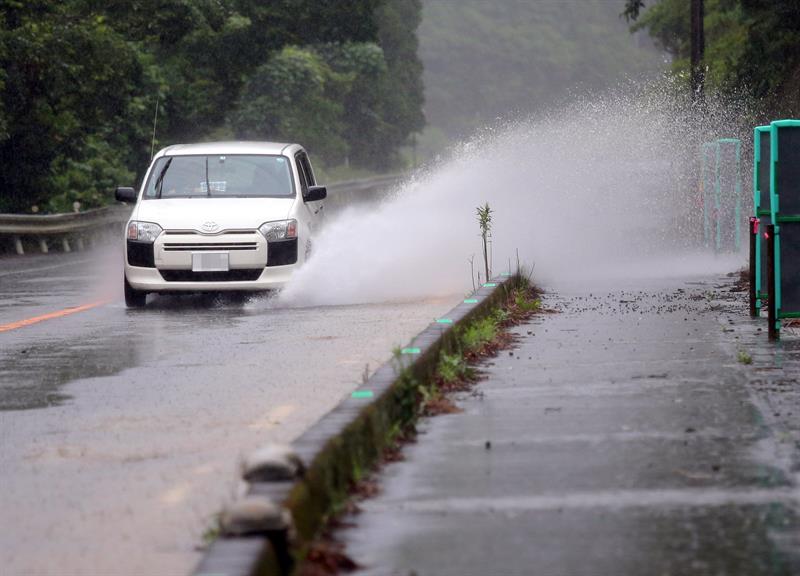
(343,444)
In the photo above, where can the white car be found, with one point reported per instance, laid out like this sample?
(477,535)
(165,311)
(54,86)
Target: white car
(220,216)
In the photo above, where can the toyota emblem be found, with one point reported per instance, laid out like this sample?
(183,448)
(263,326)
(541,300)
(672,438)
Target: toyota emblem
(210,227)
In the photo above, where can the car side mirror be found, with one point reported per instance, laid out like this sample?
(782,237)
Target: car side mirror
(125,194)
(315,194)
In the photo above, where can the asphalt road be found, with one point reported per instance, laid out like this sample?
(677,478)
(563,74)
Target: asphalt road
(121,431)
(624,435)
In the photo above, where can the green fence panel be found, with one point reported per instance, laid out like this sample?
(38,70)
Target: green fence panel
(729,195)
(721,182)
(785,213)
(708,179)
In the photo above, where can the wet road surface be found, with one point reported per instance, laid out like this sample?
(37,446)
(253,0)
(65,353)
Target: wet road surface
(122,430)
(622,435)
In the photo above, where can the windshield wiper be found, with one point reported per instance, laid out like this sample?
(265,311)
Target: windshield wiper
(160,179)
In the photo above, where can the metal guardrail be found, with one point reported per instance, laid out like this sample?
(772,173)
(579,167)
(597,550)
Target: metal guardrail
(80,227)
(366,184)
(342,194)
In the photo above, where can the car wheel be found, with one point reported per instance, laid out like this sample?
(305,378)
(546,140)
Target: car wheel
(134,298)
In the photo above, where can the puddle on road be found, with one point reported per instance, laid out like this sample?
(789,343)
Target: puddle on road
(34,372)
(33,376)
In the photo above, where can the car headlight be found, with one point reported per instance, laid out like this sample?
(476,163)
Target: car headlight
(279,230)
(146,232)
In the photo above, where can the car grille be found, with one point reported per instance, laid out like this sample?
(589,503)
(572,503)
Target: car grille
(200,247)
(194,242)
(247,275)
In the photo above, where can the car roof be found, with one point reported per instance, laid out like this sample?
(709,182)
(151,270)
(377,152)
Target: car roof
(240,147)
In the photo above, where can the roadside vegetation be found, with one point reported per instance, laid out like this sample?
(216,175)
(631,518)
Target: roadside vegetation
(752,47)
(81,80)
(457,371)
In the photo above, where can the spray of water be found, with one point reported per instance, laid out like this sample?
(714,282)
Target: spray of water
(602,188)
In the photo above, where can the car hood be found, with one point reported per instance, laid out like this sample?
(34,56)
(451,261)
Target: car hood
(226,213)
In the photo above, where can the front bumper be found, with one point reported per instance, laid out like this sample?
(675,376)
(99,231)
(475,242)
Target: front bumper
(166,265)
(151,280)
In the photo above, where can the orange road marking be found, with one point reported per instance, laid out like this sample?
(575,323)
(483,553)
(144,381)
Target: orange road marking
(51,316)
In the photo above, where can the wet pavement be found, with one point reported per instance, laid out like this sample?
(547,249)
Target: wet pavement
(122,430)
(622,435)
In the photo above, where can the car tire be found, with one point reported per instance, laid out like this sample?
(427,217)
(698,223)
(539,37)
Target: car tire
(134,298)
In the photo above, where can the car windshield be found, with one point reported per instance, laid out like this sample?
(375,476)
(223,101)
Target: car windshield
(220,176)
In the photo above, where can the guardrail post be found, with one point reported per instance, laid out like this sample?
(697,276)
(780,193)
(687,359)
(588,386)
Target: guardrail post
(65,244)
(772,316)
(18,246)
(43,245)
(79,244)
(753,296)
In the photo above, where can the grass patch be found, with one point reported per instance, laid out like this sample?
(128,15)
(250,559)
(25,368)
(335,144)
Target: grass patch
(479,333)
(422,392)
(744,358)
(524,301)
(453,368)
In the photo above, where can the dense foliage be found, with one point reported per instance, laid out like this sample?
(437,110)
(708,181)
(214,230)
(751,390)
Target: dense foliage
(80,79)
(485,60)
(750,44)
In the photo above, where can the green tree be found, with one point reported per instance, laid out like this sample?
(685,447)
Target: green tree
(66,79)
(80,79)
(294,96)
(750,44)
(362,70)
(398,21)
(770,61)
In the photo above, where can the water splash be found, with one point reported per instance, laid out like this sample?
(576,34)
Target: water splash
(602,188)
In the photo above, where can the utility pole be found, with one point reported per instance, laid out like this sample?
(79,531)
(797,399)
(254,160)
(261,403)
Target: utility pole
(698,47)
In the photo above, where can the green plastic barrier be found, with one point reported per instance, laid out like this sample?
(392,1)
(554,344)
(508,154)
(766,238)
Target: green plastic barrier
(708,178)
(721,180)
(729,195)
(761,192)
(785,213)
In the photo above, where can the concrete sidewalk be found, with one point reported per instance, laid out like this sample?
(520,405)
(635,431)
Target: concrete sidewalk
(621,436)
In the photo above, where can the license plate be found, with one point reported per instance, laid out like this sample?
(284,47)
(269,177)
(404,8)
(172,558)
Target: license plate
(210,262)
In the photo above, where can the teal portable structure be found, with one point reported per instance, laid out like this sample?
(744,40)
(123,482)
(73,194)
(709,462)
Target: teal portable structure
(729,194)
(721,179)
(784,177)
(708,178)
(761,206)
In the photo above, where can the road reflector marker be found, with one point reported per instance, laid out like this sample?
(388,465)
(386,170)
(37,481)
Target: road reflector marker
(360,394)
(471,301)
(506,274)
(489,285)
(410,351)
(444,321)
